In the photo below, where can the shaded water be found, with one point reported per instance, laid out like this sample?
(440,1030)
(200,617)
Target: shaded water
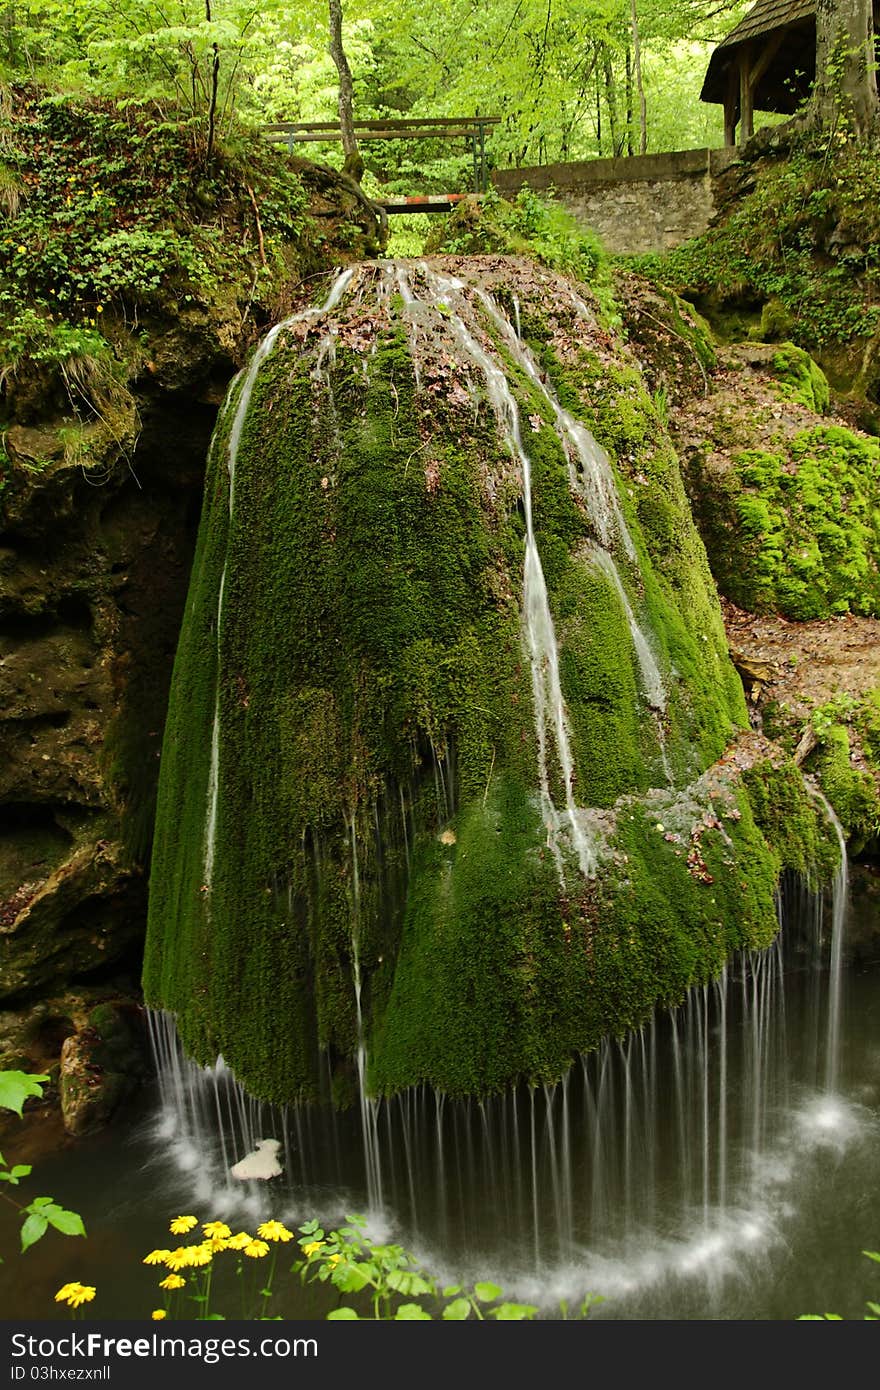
(713,1164)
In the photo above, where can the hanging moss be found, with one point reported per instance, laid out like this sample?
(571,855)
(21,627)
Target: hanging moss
(380,869)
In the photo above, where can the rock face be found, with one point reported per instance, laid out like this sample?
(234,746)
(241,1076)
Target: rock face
(93,573)
(101,1064)
(104,430)
(455,768)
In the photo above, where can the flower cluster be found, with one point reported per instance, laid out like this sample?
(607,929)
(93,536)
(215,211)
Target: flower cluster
(74,1295)
(216,1237)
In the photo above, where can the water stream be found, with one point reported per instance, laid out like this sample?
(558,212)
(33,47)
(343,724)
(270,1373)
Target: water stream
(680,1171)
(669,1164)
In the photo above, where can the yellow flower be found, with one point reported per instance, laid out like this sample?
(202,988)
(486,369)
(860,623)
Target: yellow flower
(75,1294)
(217,1228)
(100,309)
(21,250)
(156,1257)
(215,1243)
(333,1260)
(200,1254)
(179,1258)
(273,1230)
(312,1247)
(158,1314)
(181,1224)
(239,1242)
(172,1281)
(256,1249)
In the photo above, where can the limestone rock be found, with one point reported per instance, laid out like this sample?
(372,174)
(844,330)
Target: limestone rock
(100,1066)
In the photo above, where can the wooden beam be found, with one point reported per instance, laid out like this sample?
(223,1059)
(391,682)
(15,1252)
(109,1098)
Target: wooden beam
(746,109)
(731,105)
(765,58)
(391,123)
(315,136)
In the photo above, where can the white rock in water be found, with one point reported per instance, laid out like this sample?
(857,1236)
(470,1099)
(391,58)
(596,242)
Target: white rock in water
(261,1162)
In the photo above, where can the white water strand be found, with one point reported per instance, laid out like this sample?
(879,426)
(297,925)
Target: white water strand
(595,483)
(368,1107)
(839,897)
(245,391)
(550,717)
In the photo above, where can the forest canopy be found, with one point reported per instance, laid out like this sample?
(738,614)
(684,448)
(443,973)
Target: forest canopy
(564,76)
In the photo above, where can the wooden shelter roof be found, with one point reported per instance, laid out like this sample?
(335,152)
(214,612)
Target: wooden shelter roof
(789,76)
(767,15)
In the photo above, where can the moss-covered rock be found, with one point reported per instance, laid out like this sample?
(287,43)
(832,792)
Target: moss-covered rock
(132,282)
(795,530)
(372,813)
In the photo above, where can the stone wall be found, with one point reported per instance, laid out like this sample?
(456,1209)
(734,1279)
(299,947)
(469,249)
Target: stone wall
(644,203)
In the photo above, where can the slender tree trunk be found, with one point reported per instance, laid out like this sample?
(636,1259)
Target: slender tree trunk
(215,79)
(629,103)
(611,102)
(598,114)
(353,165)
(637,69)
(845,90)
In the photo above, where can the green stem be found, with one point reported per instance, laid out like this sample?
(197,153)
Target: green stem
(268,1284)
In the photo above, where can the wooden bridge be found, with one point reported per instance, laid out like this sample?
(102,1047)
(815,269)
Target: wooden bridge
(471,129)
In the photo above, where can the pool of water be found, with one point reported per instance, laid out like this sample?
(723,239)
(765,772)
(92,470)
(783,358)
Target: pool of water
(701,1168)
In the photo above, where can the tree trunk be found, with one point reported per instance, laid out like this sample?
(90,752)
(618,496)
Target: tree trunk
(637,69)
(611,102)
(845,91)
(353,165)
(629,103)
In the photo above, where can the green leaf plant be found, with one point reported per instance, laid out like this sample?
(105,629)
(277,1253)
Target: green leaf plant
(41,1213)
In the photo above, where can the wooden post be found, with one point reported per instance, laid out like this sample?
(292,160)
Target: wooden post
(731,105)
(746,110)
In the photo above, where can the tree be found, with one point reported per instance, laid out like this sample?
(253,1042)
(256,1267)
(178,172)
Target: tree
(845,89)
(354,164)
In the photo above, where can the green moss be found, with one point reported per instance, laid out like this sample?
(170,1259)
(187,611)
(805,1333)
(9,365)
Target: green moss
(801,378)
(798,532)
(379,807)
(796,831)
(803,237)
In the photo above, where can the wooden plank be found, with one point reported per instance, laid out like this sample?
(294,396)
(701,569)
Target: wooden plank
(313,136)
(377,123)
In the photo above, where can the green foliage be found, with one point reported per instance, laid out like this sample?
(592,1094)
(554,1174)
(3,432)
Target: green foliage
(380,1281)
(529,226)
(775,246)
(41,1213)
(119,214)
(16,1087)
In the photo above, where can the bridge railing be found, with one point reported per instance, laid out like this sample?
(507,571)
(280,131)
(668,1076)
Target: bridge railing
(473,129)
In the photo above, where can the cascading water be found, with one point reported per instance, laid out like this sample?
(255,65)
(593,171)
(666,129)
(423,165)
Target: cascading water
(839,898)
(675,1154)
(671,1150)
(550,717)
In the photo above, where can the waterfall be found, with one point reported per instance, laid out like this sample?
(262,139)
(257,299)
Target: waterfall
(551,725)
(243,386)
(681,1143)
(839,900)
(369,1109)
